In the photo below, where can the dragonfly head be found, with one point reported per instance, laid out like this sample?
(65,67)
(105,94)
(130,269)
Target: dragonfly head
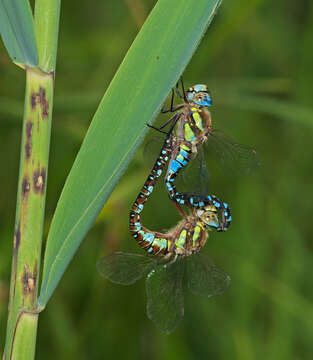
(199,95)
(209,216)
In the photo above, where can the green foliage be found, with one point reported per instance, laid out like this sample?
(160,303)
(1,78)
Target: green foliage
(267,311)
(17,31)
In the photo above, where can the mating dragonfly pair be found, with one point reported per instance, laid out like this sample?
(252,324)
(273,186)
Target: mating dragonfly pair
(174,259)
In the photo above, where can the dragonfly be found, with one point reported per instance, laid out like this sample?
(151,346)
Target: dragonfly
(166,283)
(196,137)
(212,213)
(173,260)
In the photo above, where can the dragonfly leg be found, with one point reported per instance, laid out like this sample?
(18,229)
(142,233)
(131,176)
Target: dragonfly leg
(178,92)
(173,260)
(172,103)
(172,107)
(172,120)
(180,210)
(157,129)
(183,88)
(182,96)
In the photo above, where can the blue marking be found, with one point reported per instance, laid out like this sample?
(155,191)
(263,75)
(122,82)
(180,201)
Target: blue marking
(159,163)
(140,207)
(213,224)
(191,200)
(163,152)
(217,204)
(184,154)
(229,218)
(201,203)
(165,158)
(150,250)
(181,201)
(174,165)
(169,186)
(225,213)
(150,188)
(225,205)
(210,197)
(159,172)
(148,237)
(205,102)
(182,162)
(189,96)
(171,180)
(200,87)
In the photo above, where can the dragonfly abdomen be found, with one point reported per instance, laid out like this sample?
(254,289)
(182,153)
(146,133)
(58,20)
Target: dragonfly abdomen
(149,240)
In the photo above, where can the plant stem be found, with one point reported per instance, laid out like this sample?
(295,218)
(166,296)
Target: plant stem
(23,311)
(23,308)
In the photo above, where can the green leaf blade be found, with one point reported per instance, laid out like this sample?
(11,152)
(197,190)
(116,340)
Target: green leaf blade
(150,69)
(17,31)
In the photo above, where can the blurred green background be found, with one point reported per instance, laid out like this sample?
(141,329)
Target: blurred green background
(257,60)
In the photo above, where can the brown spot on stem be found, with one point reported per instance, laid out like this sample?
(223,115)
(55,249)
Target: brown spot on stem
(29,281)
(43,103)
(25,187)
(17,239)
(33,100)
(28,144)
(39,180)
(40,98)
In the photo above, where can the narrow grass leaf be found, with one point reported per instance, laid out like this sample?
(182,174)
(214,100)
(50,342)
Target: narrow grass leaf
(17,31)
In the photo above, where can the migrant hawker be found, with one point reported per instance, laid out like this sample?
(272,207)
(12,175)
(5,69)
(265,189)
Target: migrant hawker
(176,253)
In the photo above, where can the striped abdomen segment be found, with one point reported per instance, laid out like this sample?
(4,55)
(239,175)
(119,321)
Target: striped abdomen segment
(176,164)
(153,243)
(189,199)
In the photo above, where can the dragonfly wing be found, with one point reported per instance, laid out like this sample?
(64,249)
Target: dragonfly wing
(195,177)
(151,149)
(165,297)
(204,278)
(234,158)
(125,268)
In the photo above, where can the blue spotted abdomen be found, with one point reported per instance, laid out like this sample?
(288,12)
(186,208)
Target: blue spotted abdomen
(152,242)
(192,200)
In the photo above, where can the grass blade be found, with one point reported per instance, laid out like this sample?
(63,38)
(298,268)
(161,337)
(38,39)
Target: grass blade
(17,31)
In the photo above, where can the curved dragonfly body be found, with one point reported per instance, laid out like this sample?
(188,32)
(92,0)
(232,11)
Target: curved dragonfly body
(166,280)
(193,128)
(190,234)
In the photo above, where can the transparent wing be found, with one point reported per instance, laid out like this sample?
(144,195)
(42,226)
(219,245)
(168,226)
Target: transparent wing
(195,177)
(125,268)
(204,278)
(234,158)
(151,149)
(165,298)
